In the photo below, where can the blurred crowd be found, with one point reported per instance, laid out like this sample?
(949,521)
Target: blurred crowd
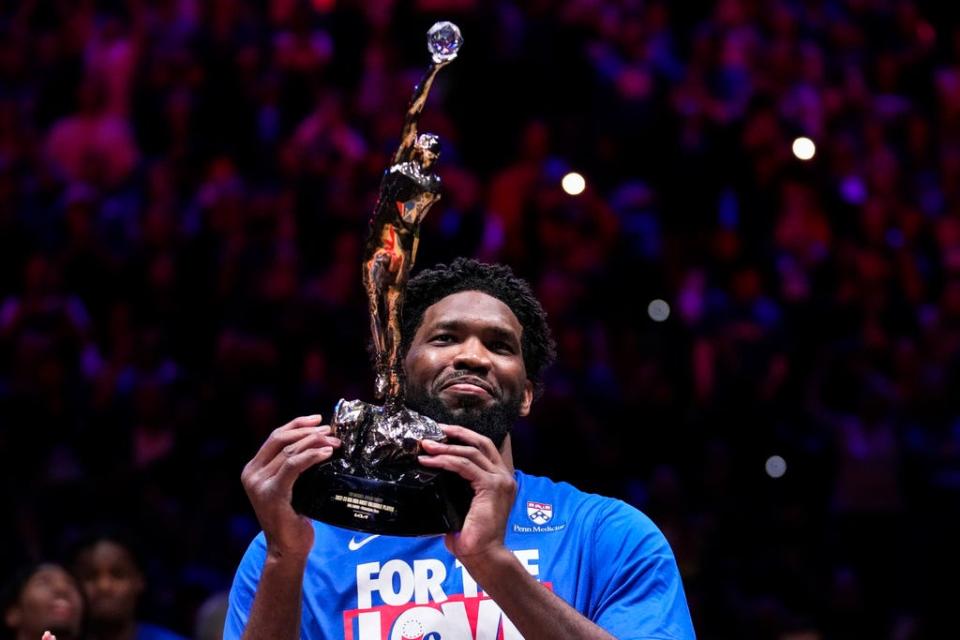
(184,193)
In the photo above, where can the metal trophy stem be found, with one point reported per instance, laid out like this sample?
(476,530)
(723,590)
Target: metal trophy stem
(375,483)
(408,189)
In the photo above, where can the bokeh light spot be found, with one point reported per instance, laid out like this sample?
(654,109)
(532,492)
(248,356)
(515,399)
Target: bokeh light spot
(775,466)
(573,183)
(804,148)
(658,310)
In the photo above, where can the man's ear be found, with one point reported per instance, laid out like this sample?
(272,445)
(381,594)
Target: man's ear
(140,584)
(12,616)
(527,398)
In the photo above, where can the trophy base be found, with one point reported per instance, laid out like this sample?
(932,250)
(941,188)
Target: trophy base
(422,503)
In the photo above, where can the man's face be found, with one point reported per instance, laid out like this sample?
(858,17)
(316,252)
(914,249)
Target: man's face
(111,580)
(49,600)
(465,365)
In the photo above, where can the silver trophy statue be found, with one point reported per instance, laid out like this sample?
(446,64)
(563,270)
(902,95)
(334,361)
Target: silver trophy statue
(374,483)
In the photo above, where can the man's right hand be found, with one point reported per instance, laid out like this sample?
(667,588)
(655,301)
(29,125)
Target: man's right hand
(268,480)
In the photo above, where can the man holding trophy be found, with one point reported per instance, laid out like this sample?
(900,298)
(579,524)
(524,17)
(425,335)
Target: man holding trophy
(351,511)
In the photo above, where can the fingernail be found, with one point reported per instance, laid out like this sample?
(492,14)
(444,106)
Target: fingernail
(324,429)
(326,450)
(334,441)
(316,417)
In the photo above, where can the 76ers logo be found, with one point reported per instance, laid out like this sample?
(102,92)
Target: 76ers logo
(539,512)
(413,630)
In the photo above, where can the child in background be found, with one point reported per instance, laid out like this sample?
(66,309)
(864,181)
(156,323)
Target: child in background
(42,598)
(112,579)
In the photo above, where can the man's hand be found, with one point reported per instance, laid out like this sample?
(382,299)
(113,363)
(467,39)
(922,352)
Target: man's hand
(268,480)
(536,612)
(478,461)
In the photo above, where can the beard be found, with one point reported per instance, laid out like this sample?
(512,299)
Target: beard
(494,421)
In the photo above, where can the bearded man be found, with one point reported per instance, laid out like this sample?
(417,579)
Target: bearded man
(534,559)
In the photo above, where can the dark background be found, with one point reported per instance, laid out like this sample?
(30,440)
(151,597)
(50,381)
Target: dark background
(184,189)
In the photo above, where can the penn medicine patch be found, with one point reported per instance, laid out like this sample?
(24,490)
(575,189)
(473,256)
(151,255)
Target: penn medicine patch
(539,512)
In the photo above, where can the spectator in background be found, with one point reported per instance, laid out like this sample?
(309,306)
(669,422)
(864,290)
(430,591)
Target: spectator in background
(211,617)
(112,579)
(93,145)
(42,597)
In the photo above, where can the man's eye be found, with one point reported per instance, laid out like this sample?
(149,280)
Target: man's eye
(502,347)
(442,337)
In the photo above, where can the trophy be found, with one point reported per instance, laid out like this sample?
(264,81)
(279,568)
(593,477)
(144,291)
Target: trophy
(374,482)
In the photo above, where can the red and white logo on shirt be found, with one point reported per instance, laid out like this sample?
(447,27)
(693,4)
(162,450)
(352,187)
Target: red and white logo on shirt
(403,600)
(539,512)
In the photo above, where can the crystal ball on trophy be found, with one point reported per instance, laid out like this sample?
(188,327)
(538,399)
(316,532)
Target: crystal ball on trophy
(444,41)
(374,482)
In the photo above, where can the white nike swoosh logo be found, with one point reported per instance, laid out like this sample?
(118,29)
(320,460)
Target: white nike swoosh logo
(353,545)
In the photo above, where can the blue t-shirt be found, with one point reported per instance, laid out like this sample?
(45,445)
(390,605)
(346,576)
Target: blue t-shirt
(602,556)
(147,631)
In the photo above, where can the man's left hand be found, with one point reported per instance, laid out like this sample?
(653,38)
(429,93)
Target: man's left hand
(476,459)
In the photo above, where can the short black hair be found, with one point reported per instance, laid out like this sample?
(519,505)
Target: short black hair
(118,535)
(464,274)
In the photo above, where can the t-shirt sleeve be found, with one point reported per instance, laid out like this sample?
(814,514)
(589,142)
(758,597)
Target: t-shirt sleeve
(636,579)
(244,588)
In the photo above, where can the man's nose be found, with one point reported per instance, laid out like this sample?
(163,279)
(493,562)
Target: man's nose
(63,588)
(104,582)
(472,355)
